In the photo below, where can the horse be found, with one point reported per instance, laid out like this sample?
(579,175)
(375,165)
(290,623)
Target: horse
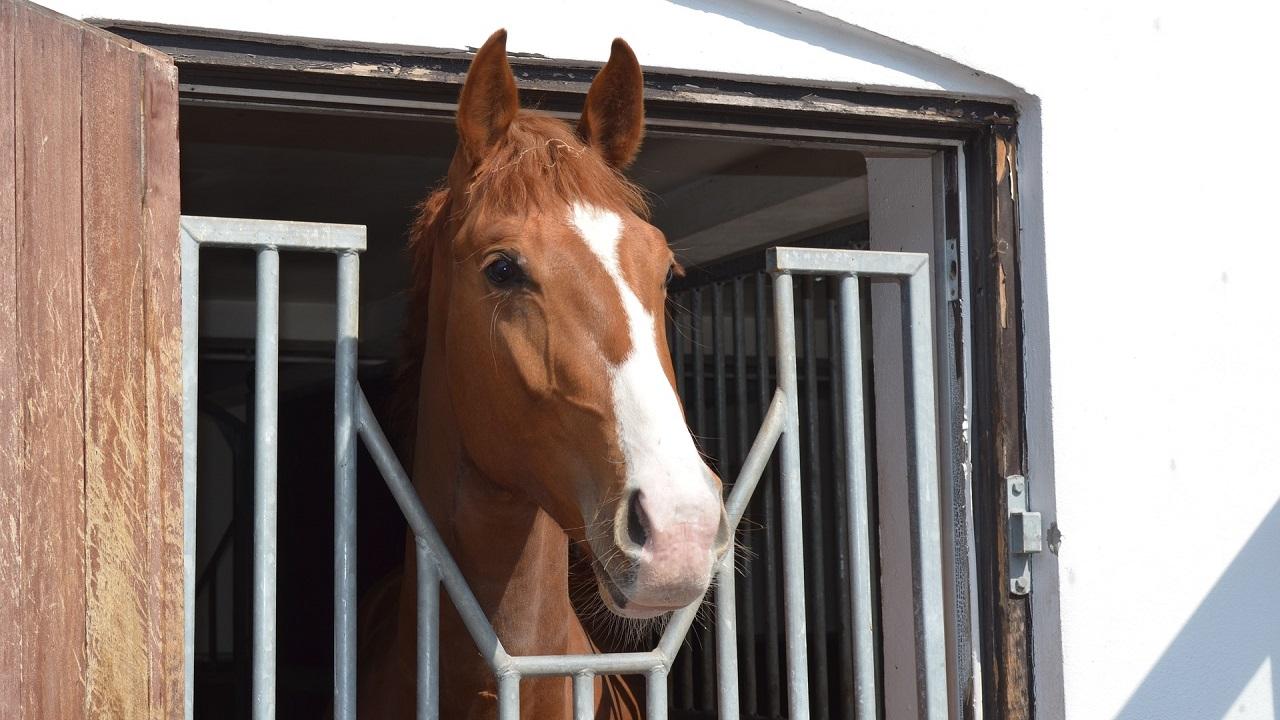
(546,411)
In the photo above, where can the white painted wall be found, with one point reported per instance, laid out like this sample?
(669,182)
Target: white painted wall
(1152,256)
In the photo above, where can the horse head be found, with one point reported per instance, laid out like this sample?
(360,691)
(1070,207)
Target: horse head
(551,287)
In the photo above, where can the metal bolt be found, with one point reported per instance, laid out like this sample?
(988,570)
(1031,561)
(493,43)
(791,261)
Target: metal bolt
(1020,585)
(1017,488)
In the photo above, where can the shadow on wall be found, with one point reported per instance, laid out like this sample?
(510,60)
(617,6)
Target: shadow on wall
(1221,648)
(790,20)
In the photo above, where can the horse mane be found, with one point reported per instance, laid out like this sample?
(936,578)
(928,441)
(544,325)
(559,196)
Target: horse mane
(540,162)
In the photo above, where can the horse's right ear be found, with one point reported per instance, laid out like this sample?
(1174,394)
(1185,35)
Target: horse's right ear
(488,102)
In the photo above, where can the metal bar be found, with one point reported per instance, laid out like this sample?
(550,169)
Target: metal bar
(584,696)
(932,641)
(772,669)
(700,433)
(747,618)
(428,634)
(266,410)
(656,693)
(602,664)
(840,505)
(344,476)
(866,697)
(473,616)
(280,234)
(867,263)
(509,696)
(190,258)
(710,633)
(792,542)
(727,639)
(817,618)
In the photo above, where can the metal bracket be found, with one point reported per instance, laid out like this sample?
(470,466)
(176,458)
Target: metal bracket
(1026,535)
(953,270)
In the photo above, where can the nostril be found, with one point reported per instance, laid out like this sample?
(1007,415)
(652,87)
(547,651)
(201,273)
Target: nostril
(637,521)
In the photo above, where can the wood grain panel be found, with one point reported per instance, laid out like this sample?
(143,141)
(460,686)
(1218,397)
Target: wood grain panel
(51,357)
(116,532)
(11,571)
(163,317)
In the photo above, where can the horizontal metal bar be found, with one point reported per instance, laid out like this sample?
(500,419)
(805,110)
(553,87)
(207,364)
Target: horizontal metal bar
(602,664)
(406,497)
(281,234)
(810,261)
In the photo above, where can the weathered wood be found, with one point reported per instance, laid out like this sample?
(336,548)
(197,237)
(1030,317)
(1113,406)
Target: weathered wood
(999,447)
(163,316)
(116,533)
(51,358)
(11,550)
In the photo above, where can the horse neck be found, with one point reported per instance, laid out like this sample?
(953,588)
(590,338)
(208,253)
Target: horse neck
(513,554)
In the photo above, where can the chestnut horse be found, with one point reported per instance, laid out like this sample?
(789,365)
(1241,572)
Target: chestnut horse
(546,410)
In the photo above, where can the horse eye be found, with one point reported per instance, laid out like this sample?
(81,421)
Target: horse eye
(671,273)
(503,271)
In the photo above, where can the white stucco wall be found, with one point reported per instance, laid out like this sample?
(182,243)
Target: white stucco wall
(1152,253)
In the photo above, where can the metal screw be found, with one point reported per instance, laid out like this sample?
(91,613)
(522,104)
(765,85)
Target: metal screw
(1017,488)
(1020,585)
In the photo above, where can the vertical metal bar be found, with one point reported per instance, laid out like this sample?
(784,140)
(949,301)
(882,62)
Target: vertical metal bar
(727,638)
(190,259)
(917,316)
(839,503)
(866,700)
(656,692)
(509,696)
(709,683)
(584,696)
(773,674)
(813,494)
(792,541)
(700,433)
(747,617)
(266,401)
(428,634)
(344,477)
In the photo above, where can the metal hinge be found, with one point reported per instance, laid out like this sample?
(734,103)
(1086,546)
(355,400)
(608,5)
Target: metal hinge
(1026,535)
(953,269)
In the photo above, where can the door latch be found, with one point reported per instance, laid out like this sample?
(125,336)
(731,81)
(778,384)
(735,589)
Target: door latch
(1026,534)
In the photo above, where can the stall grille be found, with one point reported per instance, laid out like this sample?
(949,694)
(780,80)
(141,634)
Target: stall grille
(780,429)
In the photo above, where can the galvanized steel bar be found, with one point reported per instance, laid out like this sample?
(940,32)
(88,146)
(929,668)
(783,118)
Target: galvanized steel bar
(806,261)
(792,541)
(748,617)
(772,665)
(727,638)
(814,556)
(866,697)
(266,410)
(932,638)
(344,478)
(190,258)
(656,694)
(584,696)
(509,696)
(840,504)
(279,234)
(619,663)
(428,697)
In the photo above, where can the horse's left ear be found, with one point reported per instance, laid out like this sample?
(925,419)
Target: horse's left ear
(613,119)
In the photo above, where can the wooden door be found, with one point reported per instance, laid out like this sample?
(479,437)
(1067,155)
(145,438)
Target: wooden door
(90,413)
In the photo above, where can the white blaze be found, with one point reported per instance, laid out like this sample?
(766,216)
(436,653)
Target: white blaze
(660,456)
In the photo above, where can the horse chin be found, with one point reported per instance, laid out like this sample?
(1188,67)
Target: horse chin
(618,602)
